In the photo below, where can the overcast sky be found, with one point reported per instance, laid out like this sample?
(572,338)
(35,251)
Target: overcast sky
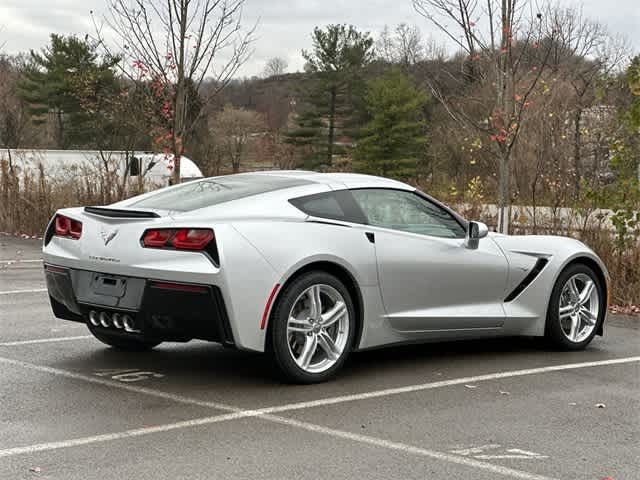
(284,25)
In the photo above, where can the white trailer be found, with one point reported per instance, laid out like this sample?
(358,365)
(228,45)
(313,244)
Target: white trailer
(155,170)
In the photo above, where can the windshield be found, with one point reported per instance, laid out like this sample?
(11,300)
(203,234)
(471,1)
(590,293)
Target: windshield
(205,193)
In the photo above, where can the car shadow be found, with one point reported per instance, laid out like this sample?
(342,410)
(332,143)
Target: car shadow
(214,365)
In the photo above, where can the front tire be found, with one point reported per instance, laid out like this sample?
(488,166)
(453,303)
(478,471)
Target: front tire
(312,328)
(122,343)
(576,309)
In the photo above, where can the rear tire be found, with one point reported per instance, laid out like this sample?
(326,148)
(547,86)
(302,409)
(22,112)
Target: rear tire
(309,345)
(576,309)
(123,344)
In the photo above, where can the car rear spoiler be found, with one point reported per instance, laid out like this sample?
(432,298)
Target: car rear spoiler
(120,213)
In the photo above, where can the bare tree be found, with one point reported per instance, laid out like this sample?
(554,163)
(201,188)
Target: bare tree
(172,47)
(434,50)
(232,128)
(14,111)
(584,53)
(275,66)
(404,45)
(504,58)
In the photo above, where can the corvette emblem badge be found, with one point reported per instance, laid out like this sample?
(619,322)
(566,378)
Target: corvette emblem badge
(108,236)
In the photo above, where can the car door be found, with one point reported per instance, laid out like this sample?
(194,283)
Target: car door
(428,280)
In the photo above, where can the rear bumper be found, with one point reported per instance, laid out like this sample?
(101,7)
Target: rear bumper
(161,310)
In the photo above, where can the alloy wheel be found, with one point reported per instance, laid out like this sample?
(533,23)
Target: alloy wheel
(318,328)
(579,307)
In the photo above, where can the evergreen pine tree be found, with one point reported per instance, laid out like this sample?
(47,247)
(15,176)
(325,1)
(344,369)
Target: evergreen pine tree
(53,80)
(336,61)
(392,142)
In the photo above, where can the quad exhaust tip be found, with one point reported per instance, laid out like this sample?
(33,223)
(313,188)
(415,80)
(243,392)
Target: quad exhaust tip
(105,319)
(116,320)
(129,324)
(93,318)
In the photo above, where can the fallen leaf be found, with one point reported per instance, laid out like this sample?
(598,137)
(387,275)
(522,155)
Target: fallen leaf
(600,405)
(35,469)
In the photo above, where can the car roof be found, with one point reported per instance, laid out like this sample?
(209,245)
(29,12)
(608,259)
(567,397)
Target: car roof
(300,183)
(338,180)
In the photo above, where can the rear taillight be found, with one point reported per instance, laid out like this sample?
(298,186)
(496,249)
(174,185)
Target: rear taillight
(192,238)
(178,238)
(156,238)
(67,227)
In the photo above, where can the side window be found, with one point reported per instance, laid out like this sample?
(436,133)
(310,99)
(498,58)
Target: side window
(406,211)
(334,205)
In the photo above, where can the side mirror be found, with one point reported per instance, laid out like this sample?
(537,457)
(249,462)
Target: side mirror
(475,231)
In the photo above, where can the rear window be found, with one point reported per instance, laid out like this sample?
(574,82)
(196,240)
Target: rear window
(324,205)
(205,193)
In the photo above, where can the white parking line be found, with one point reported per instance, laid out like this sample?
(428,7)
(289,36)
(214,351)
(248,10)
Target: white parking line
(122,386)
(377,442)
(408,449)
(14,292)
(44,340)
(266,413)
(31,260)
(445,383)
(321,402)
(41,447)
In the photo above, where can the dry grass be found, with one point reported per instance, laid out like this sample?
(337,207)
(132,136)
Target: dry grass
(29,199)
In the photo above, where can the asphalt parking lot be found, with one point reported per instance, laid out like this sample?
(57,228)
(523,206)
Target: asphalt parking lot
(71,408)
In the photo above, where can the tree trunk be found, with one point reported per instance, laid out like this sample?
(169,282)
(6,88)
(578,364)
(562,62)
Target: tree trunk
(504,104)
(332,120)
(503,193)
(180,94)
(577,158)
(60,130)
(178,130)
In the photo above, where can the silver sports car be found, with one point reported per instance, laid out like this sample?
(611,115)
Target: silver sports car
(309,267)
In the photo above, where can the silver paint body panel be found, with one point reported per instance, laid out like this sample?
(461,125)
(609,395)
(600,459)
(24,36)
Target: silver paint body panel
(413,287)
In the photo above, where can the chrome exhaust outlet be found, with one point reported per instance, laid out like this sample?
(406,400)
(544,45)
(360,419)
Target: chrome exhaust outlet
(129,324)
(104,319)
(93,318)
(117,321)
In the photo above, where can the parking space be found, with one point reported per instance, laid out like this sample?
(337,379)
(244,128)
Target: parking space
(72,408)
(549,423)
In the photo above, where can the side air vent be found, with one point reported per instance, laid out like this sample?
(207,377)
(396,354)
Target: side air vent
(526,281)
(117,213)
